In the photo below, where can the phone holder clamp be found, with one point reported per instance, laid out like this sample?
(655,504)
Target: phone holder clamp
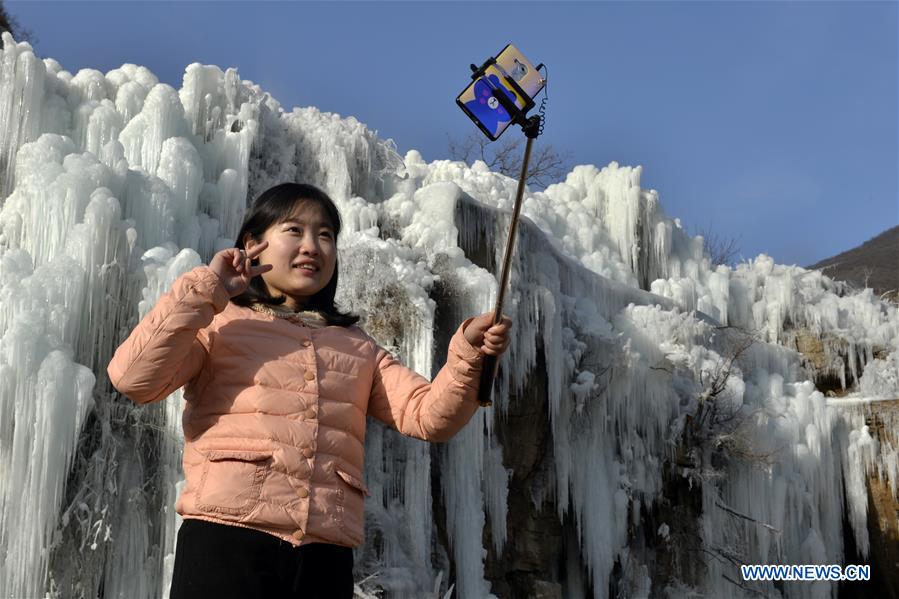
(529,125)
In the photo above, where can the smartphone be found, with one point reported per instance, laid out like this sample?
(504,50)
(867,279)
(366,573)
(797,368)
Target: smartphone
(512,75)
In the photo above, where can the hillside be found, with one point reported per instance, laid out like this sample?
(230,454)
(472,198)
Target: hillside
(876,260)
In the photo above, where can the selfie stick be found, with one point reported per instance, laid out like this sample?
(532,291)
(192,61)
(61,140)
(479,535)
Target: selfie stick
(531,128)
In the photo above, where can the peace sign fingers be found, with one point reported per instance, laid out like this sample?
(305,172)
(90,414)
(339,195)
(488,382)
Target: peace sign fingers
(242,255)
(242,261)
(234,267)
(257,249)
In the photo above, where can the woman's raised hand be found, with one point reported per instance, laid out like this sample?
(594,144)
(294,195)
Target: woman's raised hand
(491,339)
(233,266)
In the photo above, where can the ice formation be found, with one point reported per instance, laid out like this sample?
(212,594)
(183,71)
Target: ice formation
(654,360)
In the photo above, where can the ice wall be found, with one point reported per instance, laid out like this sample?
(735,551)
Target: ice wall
(656,364)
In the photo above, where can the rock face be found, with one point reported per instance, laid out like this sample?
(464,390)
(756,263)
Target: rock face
(823,359)
(532,563)
(831,361)
(883,508)
(883,530)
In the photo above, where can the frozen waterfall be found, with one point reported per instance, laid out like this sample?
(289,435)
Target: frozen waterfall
(656,420)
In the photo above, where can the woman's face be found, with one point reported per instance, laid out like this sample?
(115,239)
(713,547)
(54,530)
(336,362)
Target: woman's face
(303,253)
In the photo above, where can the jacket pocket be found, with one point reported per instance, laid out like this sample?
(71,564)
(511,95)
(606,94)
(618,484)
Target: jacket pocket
(232,480)
(350,513)
(352,480)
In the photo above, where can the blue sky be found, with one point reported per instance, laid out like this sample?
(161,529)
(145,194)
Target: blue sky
(775,123)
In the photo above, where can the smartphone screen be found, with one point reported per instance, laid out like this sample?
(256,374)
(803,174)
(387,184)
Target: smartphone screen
(479,102)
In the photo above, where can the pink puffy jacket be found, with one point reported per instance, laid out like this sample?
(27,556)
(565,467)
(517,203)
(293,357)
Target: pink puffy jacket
(274,420)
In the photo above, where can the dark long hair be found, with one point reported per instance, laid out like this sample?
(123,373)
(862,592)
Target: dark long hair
(273,206)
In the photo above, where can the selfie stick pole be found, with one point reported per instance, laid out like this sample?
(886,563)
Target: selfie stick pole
(531,128)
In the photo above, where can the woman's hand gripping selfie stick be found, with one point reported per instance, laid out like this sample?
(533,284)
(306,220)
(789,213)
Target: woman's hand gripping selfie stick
(531,128)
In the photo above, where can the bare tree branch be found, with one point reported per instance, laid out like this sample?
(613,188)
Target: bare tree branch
(867,271)
(745,517)
(546,166)
(720,249)
(15,29)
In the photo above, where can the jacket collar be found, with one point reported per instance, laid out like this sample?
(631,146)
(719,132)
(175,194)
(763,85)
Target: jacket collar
(308,318)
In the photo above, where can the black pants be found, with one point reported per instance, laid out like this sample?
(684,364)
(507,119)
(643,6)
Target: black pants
(216,561)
